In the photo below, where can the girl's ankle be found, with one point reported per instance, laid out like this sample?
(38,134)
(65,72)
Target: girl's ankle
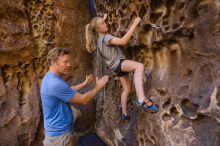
(141,99)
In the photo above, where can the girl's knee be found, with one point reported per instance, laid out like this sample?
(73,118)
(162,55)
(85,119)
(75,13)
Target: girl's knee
(140,66)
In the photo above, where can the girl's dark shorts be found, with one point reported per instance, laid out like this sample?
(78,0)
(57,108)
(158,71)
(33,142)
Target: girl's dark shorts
(118,70)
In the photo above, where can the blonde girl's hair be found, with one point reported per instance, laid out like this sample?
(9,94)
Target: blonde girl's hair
(91,34)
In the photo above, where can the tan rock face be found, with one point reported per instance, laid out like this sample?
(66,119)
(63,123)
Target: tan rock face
(16,41)
(178,42)
(28,30)
(19,100)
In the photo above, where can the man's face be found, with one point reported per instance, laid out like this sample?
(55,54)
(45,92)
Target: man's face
(63,65)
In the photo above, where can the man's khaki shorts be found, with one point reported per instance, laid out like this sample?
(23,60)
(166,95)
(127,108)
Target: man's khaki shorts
(63,140)
(67,139)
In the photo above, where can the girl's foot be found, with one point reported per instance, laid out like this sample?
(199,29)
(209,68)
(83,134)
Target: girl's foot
(125,117)
(148,105)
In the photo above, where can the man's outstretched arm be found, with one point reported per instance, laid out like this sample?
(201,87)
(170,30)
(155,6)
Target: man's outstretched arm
(79,98)
(88,79)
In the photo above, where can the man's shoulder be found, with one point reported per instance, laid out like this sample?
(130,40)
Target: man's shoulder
(52,81)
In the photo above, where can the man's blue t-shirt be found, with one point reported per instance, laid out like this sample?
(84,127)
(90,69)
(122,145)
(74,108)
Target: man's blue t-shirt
(55,94)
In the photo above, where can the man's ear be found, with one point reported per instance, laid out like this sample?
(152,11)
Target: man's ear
(53,62)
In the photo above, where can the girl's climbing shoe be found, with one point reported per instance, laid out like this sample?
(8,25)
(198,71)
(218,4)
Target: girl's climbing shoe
(152,109)
(125,117)
(148,105)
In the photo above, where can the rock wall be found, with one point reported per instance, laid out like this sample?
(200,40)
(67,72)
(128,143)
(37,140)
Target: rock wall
(28,30)
(19,102)
(178,41)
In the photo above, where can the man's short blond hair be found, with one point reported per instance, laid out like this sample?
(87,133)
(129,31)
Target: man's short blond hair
(55,53)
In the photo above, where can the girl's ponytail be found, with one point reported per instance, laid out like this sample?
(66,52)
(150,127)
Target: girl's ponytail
(90,38)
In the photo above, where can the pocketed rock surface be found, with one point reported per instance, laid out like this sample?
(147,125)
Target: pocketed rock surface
(177,41)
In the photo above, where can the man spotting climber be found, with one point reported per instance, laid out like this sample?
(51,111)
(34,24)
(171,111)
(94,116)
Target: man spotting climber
(57,96)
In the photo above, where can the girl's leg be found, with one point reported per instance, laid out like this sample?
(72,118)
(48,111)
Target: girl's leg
(126,84)
(138,69)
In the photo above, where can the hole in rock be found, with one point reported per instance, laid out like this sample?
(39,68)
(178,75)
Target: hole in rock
(166,28)
(153,138)
(191,36)
(35,27)
(133,15)
(124,6)
(141,141)
(174,112)
(181,5)
(162,91)
(142,12)
(166,117)
(200,117)
(147,28)
(156,4)
(169,2)
(167,103)
(189,109)
(155,16)
(46,36)
(182,18)
(165,22)
(175,25)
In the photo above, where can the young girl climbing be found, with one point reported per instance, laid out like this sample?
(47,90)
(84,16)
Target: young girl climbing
(108,46)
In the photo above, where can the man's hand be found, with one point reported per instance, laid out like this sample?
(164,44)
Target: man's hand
(100,83)
(79,98)
(89,79)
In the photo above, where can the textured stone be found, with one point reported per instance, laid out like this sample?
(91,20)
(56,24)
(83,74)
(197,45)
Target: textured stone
(19,100)
(178,42)
(15,41)
(28,30)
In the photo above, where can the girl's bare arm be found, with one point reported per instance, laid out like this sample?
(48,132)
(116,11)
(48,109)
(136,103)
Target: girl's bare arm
(124,40)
